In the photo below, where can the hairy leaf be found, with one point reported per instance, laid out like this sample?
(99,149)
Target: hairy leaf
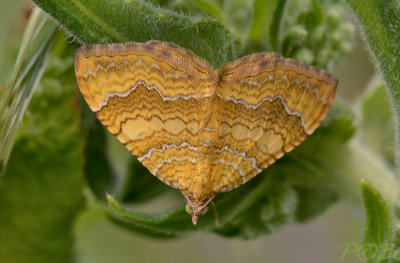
(98,171)
(378,228)
(140,185)
(104,21)
(41,191)
(377,131)
(380,23)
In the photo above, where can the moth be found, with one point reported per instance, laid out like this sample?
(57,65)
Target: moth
(198,129)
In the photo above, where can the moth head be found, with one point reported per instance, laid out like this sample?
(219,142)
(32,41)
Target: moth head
(195,211)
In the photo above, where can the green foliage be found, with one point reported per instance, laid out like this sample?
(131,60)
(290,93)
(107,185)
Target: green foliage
(61,144)
(258,37)
(380,22)
(104,21)
(41,188)
(98,171)
(275,27)
(377,123)
(378,228)
(317,37)
(140,185)
(237,211)
(33,55)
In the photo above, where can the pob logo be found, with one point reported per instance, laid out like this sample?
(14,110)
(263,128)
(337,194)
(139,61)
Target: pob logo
(368,251)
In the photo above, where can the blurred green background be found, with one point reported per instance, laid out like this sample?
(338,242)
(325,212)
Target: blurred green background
(319,240)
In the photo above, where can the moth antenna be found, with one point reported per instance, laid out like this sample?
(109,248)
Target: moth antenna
(214,208)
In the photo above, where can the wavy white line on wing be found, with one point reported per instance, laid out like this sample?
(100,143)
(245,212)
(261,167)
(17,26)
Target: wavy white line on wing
(270,99)
(253,160)
(169,161)
(316,91)
(164,147)
(296,81)
(149,87)
(100,67)
(235,167)
(169,75)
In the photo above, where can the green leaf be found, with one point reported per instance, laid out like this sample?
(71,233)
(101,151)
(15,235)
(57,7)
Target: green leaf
(41,190)
(380,23)
(168,223)
(33,56)
(329,161)
(259,32)
(313,200)
(140,185)
(10,11)
(238,15)
(163,3)
(140,230)
(210,7)
(206,7)
(178,221)
(293,39)
(313,18)
(378,228)
(272,208)
(104,21)
(276,25)
(339,123)
(376,127)
(98,171)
